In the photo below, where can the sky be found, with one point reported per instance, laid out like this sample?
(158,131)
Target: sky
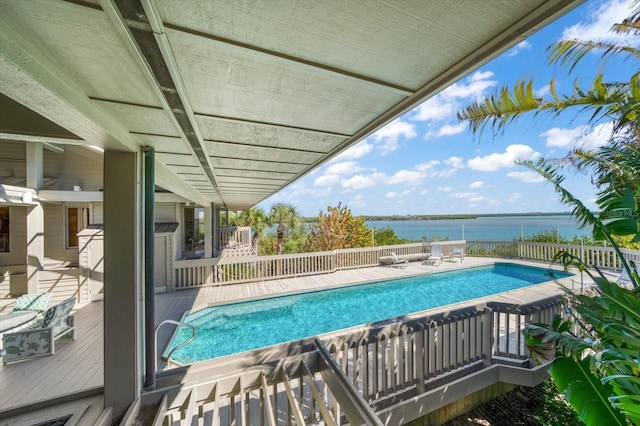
(427,162)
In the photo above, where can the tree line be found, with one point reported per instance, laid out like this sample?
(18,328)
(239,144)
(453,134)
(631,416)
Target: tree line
(337,228)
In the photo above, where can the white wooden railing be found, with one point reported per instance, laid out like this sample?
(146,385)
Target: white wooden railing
(233,236)
(198,272)
(360,375)
(382,360)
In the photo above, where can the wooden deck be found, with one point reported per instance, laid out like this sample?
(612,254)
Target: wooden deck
(78,366)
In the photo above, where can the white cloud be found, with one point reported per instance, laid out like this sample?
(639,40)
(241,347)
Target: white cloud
(392,195)
(599,23)
(526,177)
(465,194)
(424,192)
(436,108)
(598,137)
(406,192)
(495,161)
(357,151)
(388,138)
(299,191)
(410,177)
(425,167)
(447,130)
(327,180)
(563,138)
(579,137)
(343,168)
(544,90)
(523,45)
(480,82)
(477,184)
(444,188)
(358,200)
(361,181)
(471,197)
(444,105)
(515,196)
(455,162)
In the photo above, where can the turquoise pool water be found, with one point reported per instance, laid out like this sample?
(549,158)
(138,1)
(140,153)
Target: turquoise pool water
(238,327)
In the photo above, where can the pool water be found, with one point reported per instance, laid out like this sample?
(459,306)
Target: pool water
(238,327)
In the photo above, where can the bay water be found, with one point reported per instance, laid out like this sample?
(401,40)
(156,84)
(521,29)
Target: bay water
(492,228)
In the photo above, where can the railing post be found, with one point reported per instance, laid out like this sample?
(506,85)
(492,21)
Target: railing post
(487,336)
(334,260)
(419,359)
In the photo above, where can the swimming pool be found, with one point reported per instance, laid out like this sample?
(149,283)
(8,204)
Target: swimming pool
(238,327)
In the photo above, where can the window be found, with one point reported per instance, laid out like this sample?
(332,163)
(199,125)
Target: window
(77,220)
(4,229)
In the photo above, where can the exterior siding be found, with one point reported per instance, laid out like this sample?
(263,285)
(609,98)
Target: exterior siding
(55,250)
(97,214)
(165,212)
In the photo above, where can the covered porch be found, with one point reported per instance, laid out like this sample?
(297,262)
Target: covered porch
(76,370)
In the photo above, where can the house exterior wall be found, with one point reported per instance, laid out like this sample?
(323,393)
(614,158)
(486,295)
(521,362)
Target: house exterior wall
(55,244)
(166,212)
(96,214)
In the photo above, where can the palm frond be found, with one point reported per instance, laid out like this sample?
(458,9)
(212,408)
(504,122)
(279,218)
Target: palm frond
(630,25)
(565,342)
(570,52)
(619,100)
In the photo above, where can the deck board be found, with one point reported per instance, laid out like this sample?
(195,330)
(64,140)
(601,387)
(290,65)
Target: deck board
(78,365)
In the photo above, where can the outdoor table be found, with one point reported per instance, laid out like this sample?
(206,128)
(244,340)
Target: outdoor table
(17,319)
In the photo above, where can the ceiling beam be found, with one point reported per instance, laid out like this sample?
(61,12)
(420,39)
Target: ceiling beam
(153,53)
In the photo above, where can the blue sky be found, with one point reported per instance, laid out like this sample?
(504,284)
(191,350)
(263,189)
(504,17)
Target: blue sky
(426,162)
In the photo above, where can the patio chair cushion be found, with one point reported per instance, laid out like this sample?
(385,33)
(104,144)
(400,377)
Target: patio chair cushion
(32,302)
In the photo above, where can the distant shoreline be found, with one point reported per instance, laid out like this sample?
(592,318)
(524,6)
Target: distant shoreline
(448,216)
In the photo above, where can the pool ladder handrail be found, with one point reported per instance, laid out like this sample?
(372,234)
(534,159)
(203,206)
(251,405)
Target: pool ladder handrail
(168,357)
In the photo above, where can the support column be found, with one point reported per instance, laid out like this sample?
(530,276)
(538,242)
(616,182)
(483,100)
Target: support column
(35,218)
(208,221)
(35,247)
(149,266)
(123,319)
(215,228)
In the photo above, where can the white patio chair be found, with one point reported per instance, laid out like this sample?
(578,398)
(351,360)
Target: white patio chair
(436,254)
(397,260)
(457,252)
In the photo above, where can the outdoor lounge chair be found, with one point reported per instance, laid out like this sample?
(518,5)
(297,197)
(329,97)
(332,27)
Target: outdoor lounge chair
(436,254)
(457,252)
(397,260)
(39,338)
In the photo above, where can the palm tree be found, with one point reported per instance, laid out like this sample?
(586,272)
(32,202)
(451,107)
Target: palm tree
(284,215)
(599,365)
(256,218)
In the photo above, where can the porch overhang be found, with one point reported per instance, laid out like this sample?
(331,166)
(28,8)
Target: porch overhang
(239,99)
